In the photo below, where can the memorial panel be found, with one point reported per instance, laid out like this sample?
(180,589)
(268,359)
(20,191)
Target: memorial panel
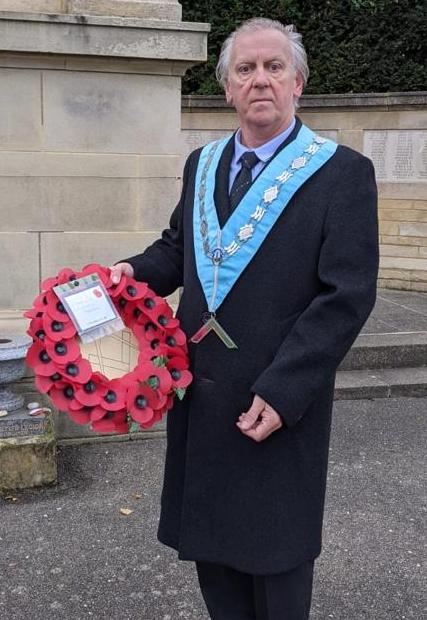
(399,156)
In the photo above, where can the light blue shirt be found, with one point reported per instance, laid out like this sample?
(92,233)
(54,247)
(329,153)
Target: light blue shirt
(264,153)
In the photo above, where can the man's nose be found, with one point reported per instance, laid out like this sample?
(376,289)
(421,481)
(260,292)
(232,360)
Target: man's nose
(260,77)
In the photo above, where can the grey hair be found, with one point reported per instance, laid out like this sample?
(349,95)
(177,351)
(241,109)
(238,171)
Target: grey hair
(299,56)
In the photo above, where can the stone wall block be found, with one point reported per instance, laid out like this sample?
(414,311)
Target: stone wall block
(402,191)
(400,250)
(399,262)
(412,276)
(36,6)
(406,215)
(63,204)
(352,138)
(388,228)
(20,107)
(402,205)
(157,199)
(19,258)
(163,9)
(366,119)
(402,240)
(410,229)
(80,248)
(220,121)
(111,113)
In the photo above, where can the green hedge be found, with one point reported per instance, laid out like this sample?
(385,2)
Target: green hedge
(352,45)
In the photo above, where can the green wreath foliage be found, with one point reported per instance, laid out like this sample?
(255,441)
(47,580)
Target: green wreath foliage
(353,46)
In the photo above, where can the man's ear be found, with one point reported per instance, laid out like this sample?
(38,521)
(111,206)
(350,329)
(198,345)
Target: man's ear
(299,84)
(228,96)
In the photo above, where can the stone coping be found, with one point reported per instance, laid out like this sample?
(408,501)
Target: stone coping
(104,20)
(101,36)
(385,101)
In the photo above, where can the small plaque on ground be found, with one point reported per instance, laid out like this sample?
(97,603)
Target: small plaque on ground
(20,424)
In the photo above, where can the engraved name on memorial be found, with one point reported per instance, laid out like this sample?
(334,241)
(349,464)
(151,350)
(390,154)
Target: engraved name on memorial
(399,156)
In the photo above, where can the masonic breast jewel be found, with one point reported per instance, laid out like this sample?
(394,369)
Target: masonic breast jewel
(220,258)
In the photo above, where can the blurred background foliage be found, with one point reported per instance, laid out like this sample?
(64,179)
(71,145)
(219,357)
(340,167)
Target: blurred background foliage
(353,46)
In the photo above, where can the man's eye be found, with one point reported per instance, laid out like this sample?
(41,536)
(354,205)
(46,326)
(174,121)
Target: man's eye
(244,69)
(275,66)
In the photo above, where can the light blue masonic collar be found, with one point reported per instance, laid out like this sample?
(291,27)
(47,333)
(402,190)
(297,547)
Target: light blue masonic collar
(223,254)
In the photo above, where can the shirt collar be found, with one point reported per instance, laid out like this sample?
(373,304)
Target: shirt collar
(265,151)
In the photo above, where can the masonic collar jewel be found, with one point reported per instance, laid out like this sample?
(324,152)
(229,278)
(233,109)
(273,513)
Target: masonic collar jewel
(211,324)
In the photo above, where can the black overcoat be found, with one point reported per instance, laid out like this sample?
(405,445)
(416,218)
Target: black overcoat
(294,313)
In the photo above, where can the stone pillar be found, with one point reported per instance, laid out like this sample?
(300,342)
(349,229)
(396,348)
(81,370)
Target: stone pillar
(90,134)
(90,100)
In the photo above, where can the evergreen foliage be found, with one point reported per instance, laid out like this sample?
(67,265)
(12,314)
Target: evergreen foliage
(352,45)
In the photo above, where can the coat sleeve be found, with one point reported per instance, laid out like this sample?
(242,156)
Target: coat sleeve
(161,264)
(308,357)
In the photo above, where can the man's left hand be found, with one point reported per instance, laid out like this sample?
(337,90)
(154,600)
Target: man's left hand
(260,420)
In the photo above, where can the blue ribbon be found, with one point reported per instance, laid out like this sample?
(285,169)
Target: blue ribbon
(218,279)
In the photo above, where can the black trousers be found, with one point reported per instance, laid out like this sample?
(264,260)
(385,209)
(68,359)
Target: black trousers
(232,595)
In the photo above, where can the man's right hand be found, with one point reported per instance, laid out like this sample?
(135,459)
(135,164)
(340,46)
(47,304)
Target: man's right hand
(119,269)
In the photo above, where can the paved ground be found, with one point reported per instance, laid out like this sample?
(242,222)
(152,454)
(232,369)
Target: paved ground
(398,311)
(66,552)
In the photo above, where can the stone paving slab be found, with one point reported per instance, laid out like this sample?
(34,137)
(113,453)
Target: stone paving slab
(67,552)
(394,350)
(398,311)
(380,383)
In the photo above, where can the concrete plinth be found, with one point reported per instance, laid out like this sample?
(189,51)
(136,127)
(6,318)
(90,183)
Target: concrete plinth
(29,460)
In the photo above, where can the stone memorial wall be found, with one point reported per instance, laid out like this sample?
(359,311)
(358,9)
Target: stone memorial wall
(389,129)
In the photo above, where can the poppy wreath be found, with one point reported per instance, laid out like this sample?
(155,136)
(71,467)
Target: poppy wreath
(139,398)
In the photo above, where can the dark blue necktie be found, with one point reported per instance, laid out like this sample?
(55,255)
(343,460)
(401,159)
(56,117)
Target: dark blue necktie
(243,180)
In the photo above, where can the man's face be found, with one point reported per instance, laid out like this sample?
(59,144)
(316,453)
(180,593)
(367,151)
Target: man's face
(262,83)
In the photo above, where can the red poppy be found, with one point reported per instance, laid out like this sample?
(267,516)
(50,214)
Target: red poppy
(78,371)
(141,401)
(181,377)
(114,398)
(39,359)
(157,377)
(55,308)
(63,396)
(62,352)
(163,316)
(156,418)
(36,330)
(116,289)
(151,303)
(91,393)
(67,275)
(134,291)
(58,330)
(176,343)
(81,416)
(112,422)
(98,413)
(44,384)
(102,272)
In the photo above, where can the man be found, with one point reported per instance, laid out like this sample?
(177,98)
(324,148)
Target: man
(277,255)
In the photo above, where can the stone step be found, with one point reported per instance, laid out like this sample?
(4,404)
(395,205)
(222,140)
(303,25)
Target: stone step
(381,383)
(393,350)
